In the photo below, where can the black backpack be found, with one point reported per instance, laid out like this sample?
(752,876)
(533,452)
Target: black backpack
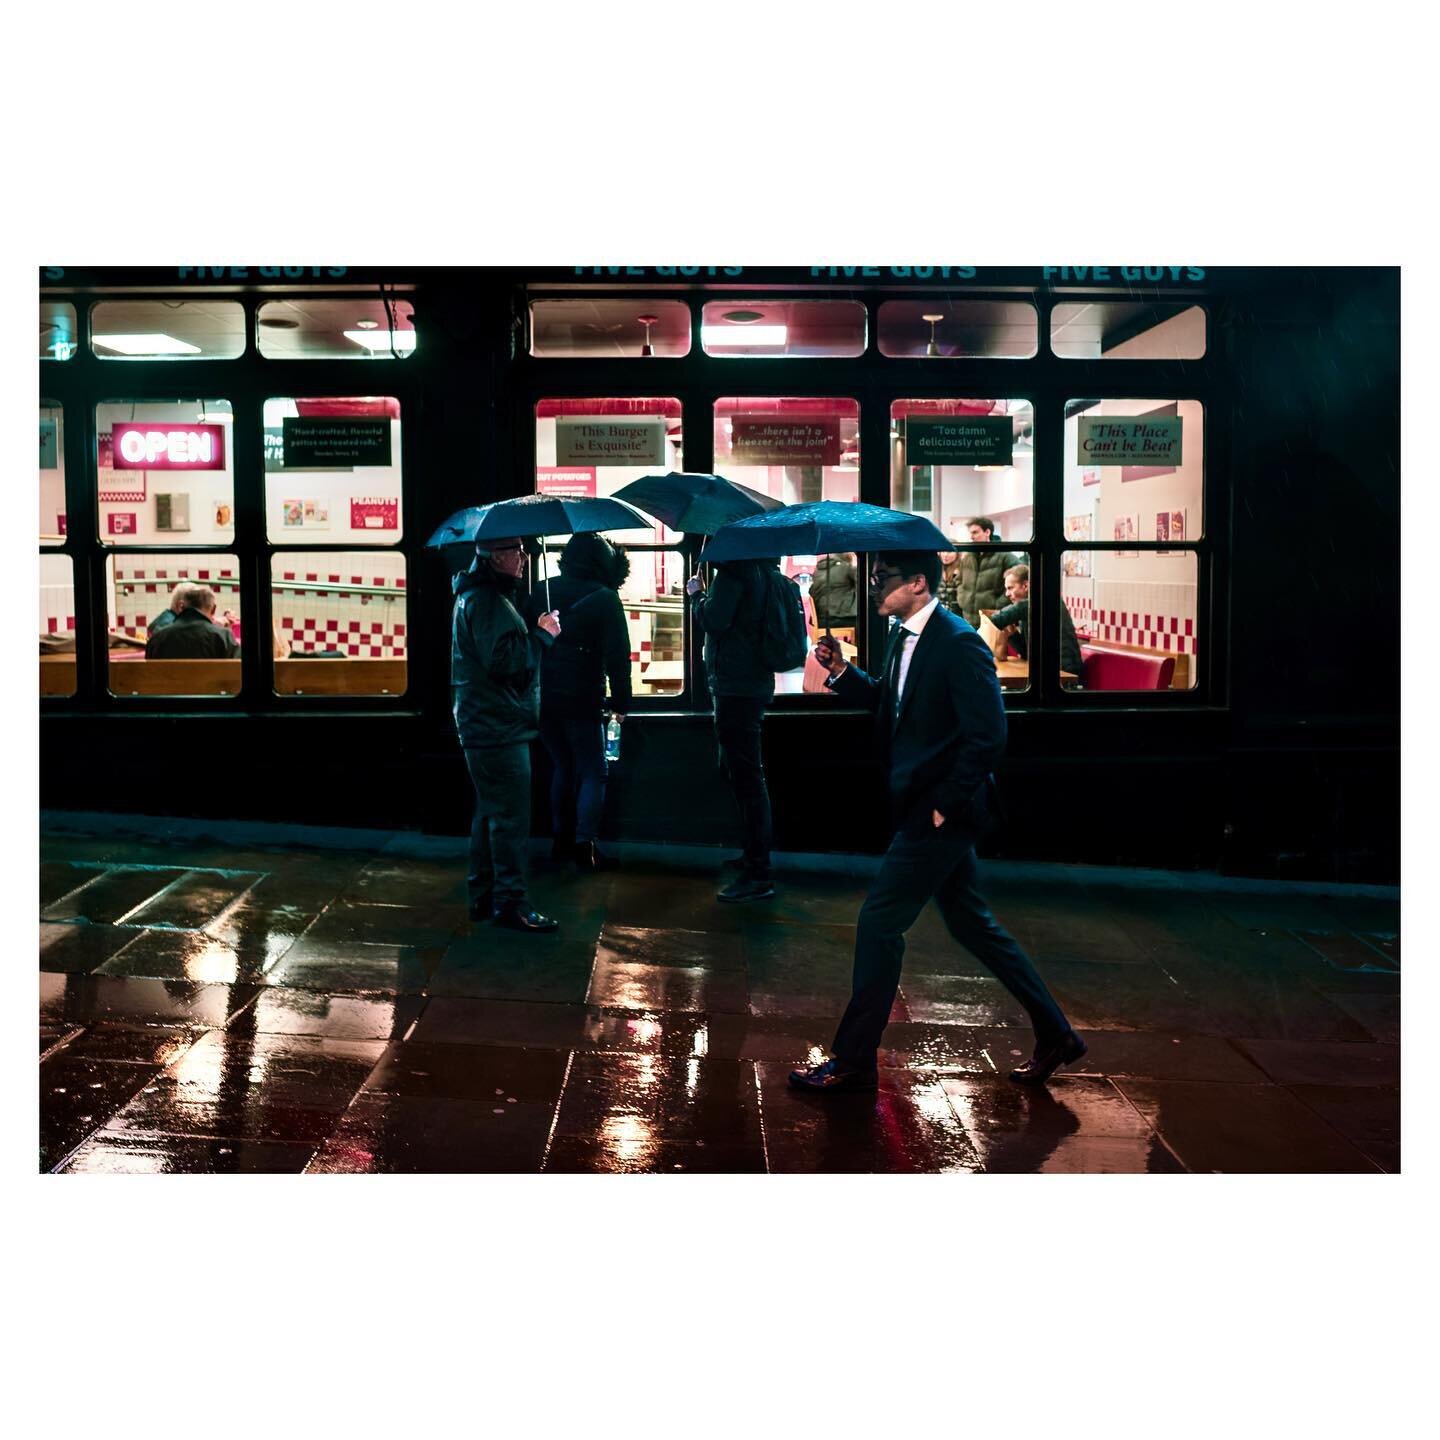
(784,643)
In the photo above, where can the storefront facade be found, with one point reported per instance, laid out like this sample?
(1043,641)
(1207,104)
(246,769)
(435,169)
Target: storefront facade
(1198,467)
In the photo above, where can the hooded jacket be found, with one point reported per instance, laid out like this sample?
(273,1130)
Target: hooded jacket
(594,640)
(494,662)
(732,615)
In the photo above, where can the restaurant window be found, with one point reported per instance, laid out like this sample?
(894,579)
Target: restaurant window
(1127,330)
(333,471)
(338,622)
(336,329)
(52,474)
(1134,480)
(167,329)
(143,591)
(783,329)
(594,447)
(957,460)
(57,330)
(57,625)
(798,449)
(165,472)
(937,329)
(608,329)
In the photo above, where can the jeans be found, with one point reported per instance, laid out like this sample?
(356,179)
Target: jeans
(737,732)
(916,867)
(577,790)
(500,834)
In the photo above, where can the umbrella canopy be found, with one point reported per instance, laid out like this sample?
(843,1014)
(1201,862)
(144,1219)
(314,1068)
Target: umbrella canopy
(825,527)
(529,515)
(694,503)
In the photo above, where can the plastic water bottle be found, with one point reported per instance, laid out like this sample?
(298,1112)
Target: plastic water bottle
(612,740)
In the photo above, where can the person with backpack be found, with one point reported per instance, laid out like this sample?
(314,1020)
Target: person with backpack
(753,626)
(593,645)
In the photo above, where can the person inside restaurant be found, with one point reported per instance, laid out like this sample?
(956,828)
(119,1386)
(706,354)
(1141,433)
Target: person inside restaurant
(193,634)
(982,576)
(1013,621)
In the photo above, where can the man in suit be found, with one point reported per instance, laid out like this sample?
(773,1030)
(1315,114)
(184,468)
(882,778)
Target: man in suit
(940,717)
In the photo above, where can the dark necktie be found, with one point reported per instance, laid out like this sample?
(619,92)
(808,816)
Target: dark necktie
(892,671)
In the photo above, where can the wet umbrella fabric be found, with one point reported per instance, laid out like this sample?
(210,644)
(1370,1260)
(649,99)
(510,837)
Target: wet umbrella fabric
(528,516)
(531,515)
(694,503)
(825,527)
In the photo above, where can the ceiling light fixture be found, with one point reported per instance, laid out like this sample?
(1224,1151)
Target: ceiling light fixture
(742,317)
(722,337)
(146,345)
(367,324)
(401,341)
(932,348)
(647,321)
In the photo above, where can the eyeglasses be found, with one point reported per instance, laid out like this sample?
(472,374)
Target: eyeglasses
(879,579)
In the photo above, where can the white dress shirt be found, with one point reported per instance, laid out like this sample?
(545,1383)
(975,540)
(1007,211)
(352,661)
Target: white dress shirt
(912,628)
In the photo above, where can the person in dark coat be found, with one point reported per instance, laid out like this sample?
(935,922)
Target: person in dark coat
(833,592)
(193,633)
(495,677)
(1013,621)
(732,618)
(940,719)
(593,645)
(982,576)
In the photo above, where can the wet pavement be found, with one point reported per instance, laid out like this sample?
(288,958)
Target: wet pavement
(266,1005)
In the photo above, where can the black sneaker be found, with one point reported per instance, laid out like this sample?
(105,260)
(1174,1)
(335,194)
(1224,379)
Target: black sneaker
(523,918)
(747,887)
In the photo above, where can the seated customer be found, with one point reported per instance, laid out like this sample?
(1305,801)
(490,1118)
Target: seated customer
(193,634)
(1014,620)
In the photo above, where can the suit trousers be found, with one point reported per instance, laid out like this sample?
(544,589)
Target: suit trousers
(500,833)
(917,867)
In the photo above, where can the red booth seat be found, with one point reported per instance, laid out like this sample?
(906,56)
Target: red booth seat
(1124,670)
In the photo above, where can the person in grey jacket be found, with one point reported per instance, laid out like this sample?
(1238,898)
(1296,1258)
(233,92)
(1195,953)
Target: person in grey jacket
(495,676)
(732,618)
(982,576)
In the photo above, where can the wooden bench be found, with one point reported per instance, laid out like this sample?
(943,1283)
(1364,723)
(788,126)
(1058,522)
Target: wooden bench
(222,677)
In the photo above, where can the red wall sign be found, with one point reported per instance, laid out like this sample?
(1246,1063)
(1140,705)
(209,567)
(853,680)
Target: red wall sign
(122,524)
(565,479)
(139,446)
(375,513)
(781,440)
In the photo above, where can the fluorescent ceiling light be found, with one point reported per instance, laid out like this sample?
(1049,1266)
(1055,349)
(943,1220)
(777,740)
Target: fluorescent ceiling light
(146,345)
(728,337)
(402,341)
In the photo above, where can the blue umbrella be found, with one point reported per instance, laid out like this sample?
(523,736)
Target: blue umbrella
(694,503)
(824,527)
(531,515)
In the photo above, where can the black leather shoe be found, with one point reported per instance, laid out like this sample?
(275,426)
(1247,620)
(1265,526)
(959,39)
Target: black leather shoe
(746,888)
(1047,1059)
(588,859)
(834,1075)
(482,908)
(522,917)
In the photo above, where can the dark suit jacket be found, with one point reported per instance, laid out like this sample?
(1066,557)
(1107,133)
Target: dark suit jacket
(950,730)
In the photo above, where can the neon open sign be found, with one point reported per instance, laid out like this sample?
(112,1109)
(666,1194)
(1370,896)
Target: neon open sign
(156,447)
